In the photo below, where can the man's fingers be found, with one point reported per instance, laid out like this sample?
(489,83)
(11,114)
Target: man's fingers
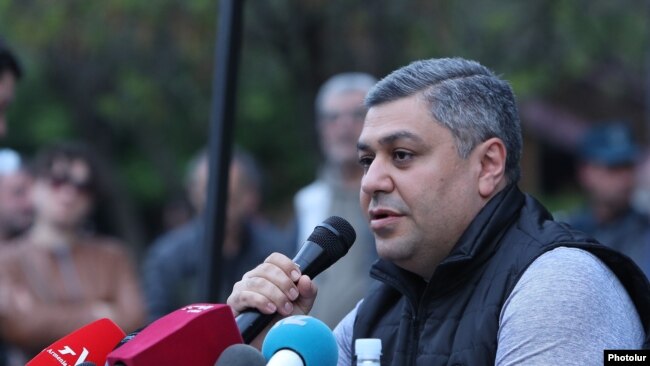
(252,300)
(266,288)
(268,273)
(308,290)
(283,262)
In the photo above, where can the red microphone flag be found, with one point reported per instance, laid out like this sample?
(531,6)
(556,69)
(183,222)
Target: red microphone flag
(91,343)
(194,335)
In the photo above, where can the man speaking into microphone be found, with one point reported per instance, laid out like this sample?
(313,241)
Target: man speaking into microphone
(472,270)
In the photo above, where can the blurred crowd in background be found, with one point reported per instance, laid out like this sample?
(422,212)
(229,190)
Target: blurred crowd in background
(59,272)
(74,249)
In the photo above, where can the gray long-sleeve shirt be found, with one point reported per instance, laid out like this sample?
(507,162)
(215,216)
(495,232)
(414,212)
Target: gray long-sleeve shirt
(565,310)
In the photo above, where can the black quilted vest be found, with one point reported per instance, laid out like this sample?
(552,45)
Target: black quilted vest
(455,318)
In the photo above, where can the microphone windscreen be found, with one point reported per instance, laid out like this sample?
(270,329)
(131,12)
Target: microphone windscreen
(241,355)
(90,343)
(305,335)
(193,335)
(335,235)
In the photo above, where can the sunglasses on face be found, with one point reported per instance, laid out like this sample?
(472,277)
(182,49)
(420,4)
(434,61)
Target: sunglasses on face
(82,186)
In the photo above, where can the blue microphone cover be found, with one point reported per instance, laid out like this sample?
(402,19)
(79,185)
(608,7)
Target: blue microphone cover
(304,335)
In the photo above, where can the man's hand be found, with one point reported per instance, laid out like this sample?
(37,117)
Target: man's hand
(274,286)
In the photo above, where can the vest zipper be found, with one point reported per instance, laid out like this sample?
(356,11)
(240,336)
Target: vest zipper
(415,326)
(415,334)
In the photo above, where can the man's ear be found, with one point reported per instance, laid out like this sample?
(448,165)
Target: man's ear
(492,155)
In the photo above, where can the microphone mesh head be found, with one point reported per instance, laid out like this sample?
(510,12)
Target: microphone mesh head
(335,235)
(241,355)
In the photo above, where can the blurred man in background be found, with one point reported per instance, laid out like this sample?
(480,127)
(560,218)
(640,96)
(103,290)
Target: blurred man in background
(340,113)
(10,73)
(171,268)
(16,211)
(609,156)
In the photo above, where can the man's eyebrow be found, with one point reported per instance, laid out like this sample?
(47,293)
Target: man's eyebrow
(399,135)
(362,147)
(392,138)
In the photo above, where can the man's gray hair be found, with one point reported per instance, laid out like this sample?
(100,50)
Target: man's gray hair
(343,83)
(465,97)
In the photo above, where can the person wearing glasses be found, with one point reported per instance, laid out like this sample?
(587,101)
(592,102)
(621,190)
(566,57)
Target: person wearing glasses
(59,275)
(339,119)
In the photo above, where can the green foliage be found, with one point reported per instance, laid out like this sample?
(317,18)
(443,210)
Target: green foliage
(134,78)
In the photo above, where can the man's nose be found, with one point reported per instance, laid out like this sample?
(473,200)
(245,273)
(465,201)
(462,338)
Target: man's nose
(377,178)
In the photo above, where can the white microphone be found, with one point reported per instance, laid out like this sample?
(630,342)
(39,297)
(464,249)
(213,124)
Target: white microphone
(285,357)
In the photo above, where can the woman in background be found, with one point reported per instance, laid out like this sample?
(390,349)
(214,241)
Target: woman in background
(60,276)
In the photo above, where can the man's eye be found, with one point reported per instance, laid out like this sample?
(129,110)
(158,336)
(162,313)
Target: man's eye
(402,155)
(365,161)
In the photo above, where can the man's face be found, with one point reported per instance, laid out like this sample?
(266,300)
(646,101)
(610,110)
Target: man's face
(7,91)
(419,195)
(610,186)
(198,189)
(16,211)
(340,123)
(242,198)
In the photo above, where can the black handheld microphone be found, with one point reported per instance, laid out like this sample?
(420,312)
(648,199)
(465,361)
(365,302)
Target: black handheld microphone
(129,337)
(241,355)
(329,241)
